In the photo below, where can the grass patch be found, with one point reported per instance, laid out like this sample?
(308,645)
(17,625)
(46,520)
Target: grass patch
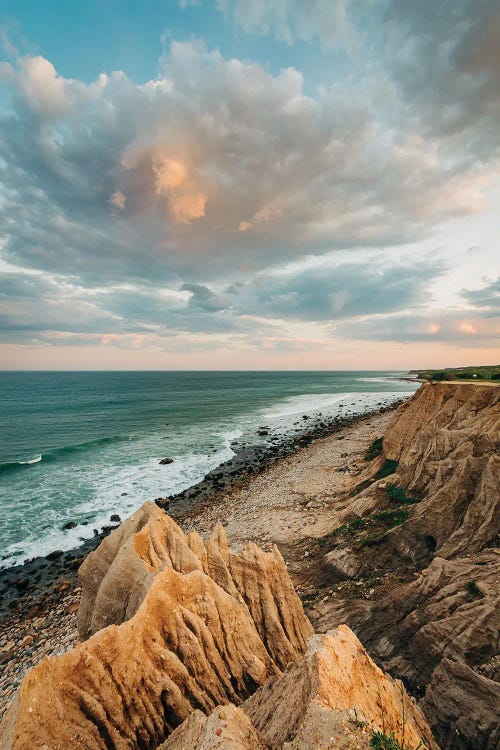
(391,518)
(378,524)
(382,741)
(375,449)
(387,519)
(347,529)
(485,372)
(398,495)
(474,590)
(388,467)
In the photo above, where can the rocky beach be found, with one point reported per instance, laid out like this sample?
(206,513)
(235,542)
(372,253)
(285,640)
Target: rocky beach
(39,600)
(386,522)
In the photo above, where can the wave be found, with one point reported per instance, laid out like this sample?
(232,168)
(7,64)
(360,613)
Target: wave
(60,453)
(300,404)
(386,379)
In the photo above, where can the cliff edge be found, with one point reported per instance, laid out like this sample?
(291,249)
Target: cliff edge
(202,628)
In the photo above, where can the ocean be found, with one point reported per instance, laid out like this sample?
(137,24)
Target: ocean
(80,446)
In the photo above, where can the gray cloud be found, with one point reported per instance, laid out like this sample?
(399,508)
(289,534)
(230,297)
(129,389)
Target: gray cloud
(486,299)
(333,291)
(462,328)
(141,205)
(217,160)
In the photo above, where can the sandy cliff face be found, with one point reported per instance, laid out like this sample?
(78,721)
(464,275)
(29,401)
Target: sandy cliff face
(313,705)
(439,631)
(447,439)
(122,569)
(212,628)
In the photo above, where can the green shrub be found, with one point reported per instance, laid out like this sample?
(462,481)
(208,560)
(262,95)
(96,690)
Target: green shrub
(382,741)
(398,495)
(344,530)
(391,518)
(375,449)
(474,590)
(388,467)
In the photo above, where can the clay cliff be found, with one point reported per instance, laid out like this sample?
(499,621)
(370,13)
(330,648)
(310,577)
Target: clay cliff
(334,696)
(435,620)
(211,629)
(116,577)
(446,440)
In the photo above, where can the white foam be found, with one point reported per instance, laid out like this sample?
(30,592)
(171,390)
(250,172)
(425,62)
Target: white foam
(34,460)
(301,404)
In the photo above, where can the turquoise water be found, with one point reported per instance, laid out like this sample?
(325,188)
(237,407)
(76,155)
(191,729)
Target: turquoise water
(79,446)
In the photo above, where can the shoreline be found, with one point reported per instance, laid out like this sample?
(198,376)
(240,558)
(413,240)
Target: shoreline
(18,580)
(39,600)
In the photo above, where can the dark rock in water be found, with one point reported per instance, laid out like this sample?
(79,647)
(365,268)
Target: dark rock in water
(109,529)
(96,532)
(69,525)
(55,554)
(305,416)
(166,461)
(124,494)
(115,518)
(262,432)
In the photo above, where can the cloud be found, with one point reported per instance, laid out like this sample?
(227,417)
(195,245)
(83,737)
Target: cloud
(486,299)
(329,21)
(220,200)
(118,199)
(330,290)
(457,327)
(216,160)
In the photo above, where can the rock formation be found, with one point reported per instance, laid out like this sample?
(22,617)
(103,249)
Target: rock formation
(334,694)
(447,439)
(118,574)
(335,685)
(438,632)
(227,728)
(212,628)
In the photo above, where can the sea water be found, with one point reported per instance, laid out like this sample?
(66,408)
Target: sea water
(81,446)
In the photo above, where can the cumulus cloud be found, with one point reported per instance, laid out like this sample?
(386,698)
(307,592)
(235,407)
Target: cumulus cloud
(212,199)
(217,159)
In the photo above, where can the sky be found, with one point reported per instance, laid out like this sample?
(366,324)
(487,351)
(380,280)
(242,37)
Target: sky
(195,184)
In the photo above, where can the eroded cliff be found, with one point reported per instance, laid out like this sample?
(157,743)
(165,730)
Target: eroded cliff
(434,620)
(212,627)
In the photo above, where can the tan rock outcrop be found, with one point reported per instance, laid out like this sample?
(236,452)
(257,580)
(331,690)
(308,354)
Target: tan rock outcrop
(447,439)
(194,642)
(335,680)
(227,728)
(440,633)
(334,696)
(121,570)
